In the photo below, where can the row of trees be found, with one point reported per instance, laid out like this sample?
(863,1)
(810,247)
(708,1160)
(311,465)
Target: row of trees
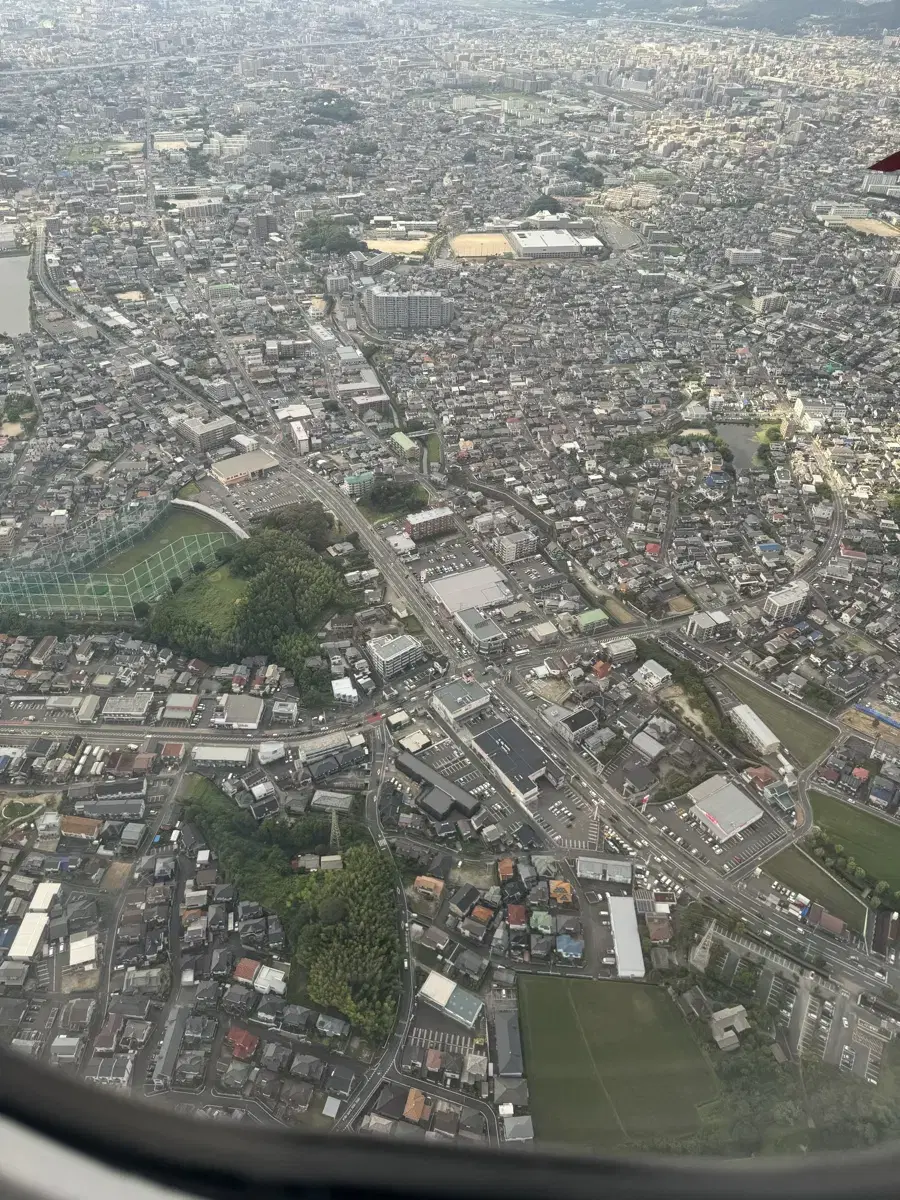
(878,893)
(341,926)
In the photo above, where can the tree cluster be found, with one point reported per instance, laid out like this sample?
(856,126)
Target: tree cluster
(341,926)
(548,204)
(392,495)
(691,683)
(327,237)
(328,105)
(290,587)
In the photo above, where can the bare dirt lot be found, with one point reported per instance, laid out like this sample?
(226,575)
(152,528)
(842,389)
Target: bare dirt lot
(116,876)
(480,245)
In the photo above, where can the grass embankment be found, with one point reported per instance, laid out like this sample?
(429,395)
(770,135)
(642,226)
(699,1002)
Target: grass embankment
(804,736)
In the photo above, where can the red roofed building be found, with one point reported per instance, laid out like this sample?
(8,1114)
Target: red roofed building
(861,774)
(516,917)
(506,868)
(653,549)
(242,1042)
(173,750)
(246,970)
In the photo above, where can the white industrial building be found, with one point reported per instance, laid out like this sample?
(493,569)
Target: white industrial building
(221,756)
(550,243)
(754,729)
(626,938)
(29,937)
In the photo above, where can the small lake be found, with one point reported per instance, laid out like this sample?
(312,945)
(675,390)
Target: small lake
(15,295)
(742,442)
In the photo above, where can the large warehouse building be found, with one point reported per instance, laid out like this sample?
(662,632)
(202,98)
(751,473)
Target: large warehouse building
(723,808)
(243,467)
(626,938)
(482,587)
(516,759)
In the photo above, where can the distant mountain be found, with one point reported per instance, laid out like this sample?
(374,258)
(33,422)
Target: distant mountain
(843,17)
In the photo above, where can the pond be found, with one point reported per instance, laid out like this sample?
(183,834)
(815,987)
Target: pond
(15,295)
(742,442)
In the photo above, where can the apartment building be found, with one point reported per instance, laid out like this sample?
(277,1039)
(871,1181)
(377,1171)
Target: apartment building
(788,601)
(407,310)
(429,523)
(393,653)
(207,435)
(509,547)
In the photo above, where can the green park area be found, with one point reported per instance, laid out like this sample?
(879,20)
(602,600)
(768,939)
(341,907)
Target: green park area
(609,1064)
(434,448)
(178,523)
(871,841)
(800,873)
(804,736)
(208,602)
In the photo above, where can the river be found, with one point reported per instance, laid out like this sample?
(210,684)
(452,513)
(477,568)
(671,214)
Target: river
(15,295)
(742,442)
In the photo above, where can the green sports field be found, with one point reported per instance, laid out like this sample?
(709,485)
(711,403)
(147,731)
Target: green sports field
(609,1063)
(178,523)
(872,841)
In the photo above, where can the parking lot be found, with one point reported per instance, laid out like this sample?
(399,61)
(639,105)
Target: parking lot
(675,821)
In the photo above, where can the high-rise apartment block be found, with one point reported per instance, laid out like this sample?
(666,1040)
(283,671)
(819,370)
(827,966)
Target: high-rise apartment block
(393,653)
(407,310)
(359,484)
(788,602)
(207,435)
(512,546)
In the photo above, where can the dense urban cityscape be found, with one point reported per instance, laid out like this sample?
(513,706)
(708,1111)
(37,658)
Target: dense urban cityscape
(450,533)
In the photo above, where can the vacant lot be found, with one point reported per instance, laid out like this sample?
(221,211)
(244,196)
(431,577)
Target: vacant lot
(398,245)
(609,1063)
(179,523)
(873,842)
(804,737)
(801,874)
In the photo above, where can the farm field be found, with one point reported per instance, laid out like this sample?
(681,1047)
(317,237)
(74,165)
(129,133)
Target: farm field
(804,736)
(177,524)
(873,842)
(801,874)
(609,1063)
